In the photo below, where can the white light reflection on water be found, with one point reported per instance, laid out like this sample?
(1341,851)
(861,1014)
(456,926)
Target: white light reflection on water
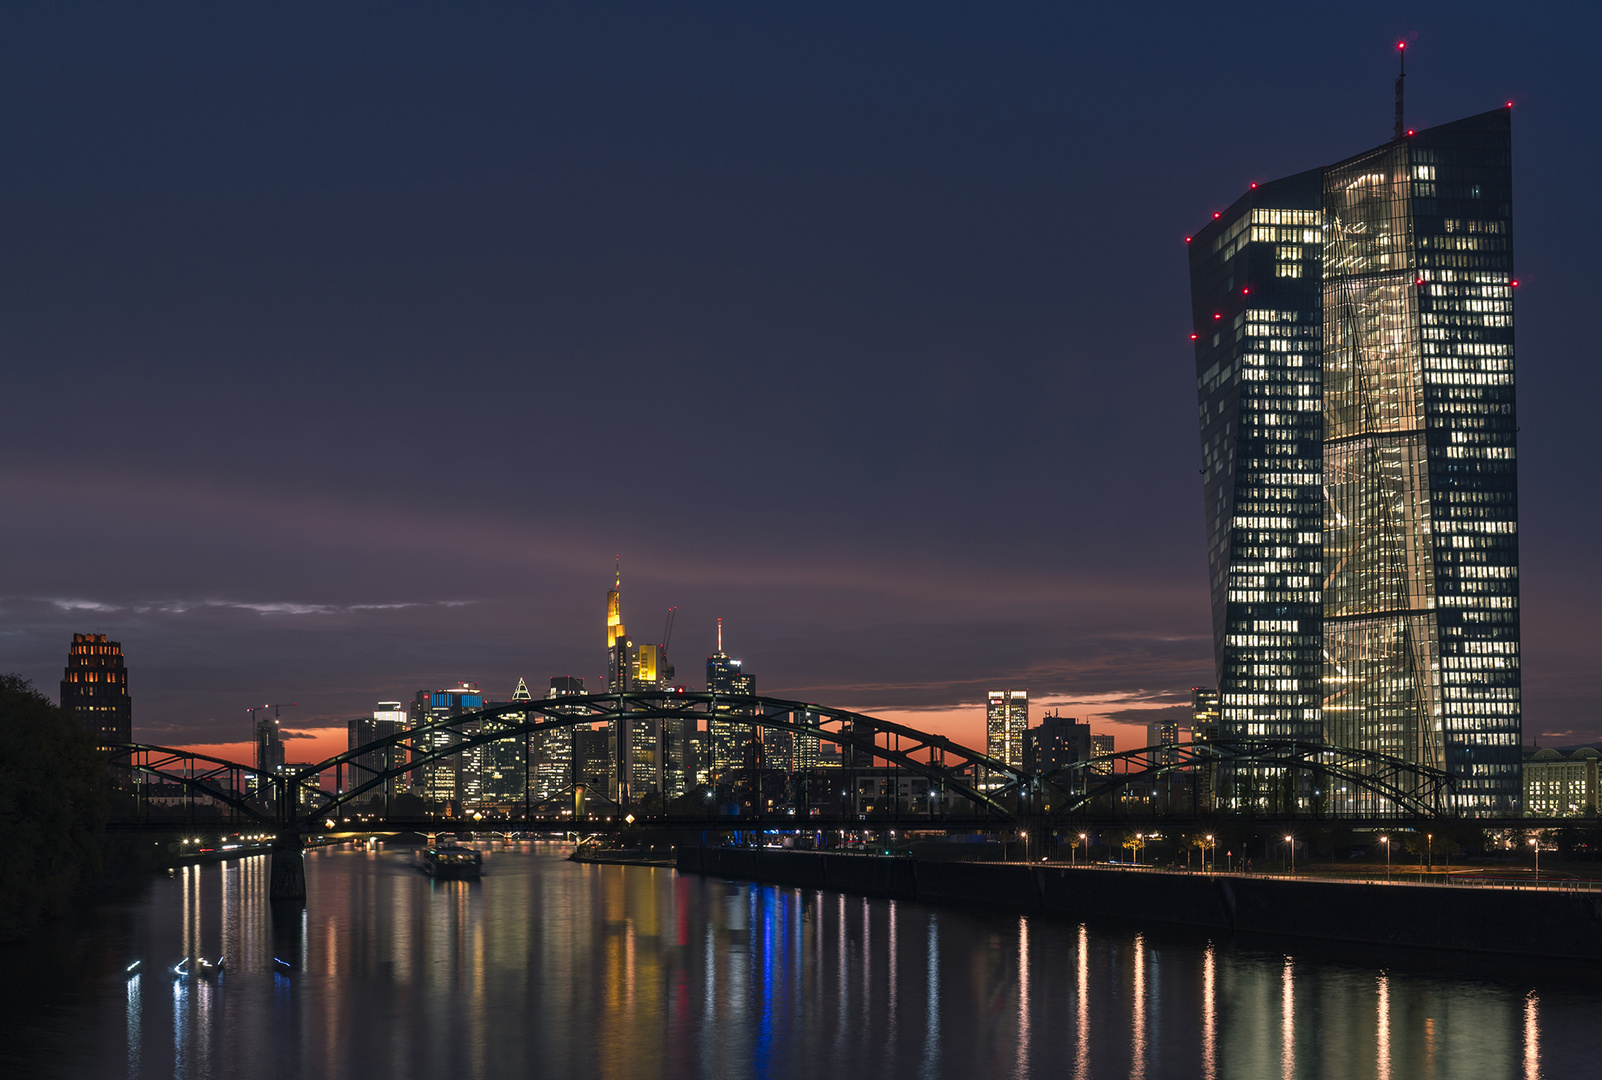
(1022,1068)
(1137,1000)
(1209,1012)
(1082,1006)
(1382,1038)
(1532,1037)
(1287,1020)
(134,1014)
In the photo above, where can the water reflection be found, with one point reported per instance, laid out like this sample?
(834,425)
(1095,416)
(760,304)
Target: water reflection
(551,968)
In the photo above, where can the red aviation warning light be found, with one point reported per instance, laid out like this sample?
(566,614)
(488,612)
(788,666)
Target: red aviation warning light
(1193,337)
(1187,239)
(1513,284)
(1254,184)
(1216,315)
(1245,292)
(1217,216)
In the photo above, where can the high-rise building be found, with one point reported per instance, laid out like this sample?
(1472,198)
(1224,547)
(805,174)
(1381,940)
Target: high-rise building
(1204,713)
(388,718)
(1102,746)
(552,752)
(1006,720)
(502,766)
(1057,741)
(94,688)
(734,744)
(447,781)
(1354,359)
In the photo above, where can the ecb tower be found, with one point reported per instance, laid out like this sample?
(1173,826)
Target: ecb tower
(1354,361)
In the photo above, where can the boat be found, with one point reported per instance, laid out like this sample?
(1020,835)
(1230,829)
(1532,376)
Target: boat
(452,860)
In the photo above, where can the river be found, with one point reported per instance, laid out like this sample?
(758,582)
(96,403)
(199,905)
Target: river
(547,968)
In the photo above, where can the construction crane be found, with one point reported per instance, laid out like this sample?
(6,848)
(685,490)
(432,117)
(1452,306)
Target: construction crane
(667,631)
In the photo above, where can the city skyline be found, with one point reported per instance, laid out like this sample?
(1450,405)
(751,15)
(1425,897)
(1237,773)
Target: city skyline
(857,371)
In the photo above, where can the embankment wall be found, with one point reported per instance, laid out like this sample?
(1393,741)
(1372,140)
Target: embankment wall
(1541,922)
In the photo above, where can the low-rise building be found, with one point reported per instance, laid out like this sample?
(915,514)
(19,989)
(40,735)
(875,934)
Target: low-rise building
(1558,785)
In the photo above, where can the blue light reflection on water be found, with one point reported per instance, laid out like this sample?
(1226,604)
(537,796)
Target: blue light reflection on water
(554,968)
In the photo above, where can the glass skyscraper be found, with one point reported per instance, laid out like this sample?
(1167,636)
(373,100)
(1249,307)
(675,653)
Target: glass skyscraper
(1354,358)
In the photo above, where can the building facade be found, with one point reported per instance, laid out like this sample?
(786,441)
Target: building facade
(734,743)
(445,782)
(1006,720)
(94,688)
(1354,359)
(1561,786)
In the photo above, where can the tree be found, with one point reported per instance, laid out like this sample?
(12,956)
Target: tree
(53,805)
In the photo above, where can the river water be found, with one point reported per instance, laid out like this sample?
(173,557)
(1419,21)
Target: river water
(547,968)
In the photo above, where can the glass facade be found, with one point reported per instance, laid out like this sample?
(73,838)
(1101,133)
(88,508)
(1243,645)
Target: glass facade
(1354,360)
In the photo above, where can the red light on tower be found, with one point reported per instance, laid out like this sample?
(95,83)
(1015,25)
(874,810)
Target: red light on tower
(1193,337)
(1187,239)
(1245,292)
(1420,281)
(1217,216)
(1409,131)
(1514,283)
(1216,315)
(1510,104)
(1254,183)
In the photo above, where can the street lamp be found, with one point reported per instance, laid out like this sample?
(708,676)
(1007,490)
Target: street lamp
(1076,848)
(1387,842)
(1535,842)
(1290,846)
(1212,853)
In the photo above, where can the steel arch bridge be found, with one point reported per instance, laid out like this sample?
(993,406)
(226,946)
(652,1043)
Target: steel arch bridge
(1412,790)
(996,791)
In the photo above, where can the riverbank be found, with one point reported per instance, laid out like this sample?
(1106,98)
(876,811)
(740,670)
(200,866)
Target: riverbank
(1516,919)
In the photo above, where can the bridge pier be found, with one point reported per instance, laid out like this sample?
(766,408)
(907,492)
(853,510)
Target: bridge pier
(288,880)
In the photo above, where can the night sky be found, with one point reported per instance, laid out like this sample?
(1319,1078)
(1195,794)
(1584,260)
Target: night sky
(344,350)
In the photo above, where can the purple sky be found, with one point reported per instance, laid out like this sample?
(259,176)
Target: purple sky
(342,353)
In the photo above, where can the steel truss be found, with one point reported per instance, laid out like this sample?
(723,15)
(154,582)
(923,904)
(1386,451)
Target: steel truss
(992,787)
(1414,790)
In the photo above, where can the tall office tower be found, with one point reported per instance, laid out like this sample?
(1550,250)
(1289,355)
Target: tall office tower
(94,688)
(1006,720)
(1055,742)
(734,744)
(269,747)
(1102,746)
(1365,310)
(551,753)
(387,719)
(444,781)
(502,766)
(1205,711)
(804,751)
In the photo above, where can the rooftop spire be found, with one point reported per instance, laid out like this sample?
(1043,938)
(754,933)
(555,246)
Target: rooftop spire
(1401,57)
(720,633)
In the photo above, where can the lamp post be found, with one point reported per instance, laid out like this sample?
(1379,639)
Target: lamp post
(1290,848)
(1212,853)
(1387,842)
(1076,849)
(1140,842)
(1429,851)
(1535,842)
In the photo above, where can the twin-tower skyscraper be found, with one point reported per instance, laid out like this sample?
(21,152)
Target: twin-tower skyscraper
(1353,328)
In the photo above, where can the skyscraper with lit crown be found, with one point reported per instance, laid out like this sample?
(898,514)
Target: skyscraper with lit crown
(1353,330)
(94,688)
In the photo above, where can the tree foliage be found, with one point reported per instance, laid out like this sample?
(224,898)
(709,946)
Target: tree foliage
(53,801)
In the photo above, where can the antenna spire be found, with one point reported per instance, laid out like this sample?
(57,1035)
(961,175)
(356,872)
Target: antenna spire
(618,559)
(1401,56)
(720,634)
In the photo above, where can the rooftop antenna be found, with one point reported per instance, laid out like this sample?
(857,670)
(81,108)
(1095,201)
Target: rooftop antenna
(618,559)
(720,634)
(1401,56)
